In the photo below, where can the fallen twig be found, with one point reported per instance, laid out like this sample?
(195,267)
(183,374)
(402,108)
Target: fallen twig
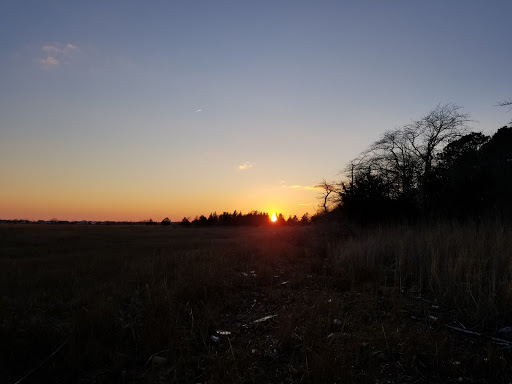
(43,362)
(155,354)
(505,344)
(464,330)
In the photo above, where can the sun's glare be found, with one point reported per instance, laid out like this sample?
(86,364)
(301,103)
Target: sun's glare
(273,218)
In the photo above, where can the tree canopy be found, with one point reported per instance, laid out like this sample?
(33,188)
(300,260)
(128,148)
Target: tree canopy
(434,166)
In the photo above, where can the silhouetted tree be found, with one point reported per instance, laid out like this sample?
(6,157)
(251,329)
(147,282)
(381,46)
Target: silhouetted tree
(326,196)
(392,158)
(497,164)
(428,135)
(367,198)
(396,174)
(459,182)
(226,219)
(292,220)
(213,219)
(462,151)
(305,220)
(253,218)
(166,221)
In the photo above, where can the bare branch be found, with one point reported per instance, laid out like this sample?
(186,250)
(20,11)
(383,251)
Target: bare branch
(326,195)
(507,103)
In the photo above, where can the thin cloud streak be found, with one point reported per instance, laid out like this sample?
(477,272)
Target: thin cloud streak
(307,187)
(245,166)
(59,48)
(49,61)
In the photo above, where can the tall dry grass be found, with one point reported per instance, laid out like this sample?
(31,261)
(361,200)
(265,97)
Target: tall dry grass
(123,294)
(467,266)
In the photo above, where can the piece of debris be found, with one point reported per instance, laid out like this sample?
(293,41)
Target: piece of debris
(264,319)
(223,333)
(260,320)
(158,361)
(284,282)
(336,322)
(505,330)
(214,338)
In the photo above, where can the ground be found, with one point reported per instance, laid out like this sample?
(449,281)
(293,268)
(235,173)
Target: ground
(98,304)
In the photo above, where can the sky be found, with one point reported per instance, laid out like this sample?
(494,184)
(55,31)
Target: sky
(130,110)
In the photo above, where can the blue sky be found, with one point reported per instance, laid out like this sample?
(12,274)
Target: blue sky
(131,109)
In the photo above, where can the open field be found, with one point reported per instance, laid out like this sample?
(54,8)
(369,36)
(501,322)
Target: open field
(128,304)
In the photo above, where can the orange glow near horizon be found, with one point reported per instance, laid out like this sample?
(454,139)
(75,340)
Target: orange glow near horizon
(119,200)
(42,206)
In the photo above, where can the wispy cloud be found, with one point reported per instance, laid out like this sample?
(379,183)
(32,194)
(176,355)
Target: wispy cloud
(245,166)
(59,48)
(308,187)
(49,61)
(50,48)
(54,54)
(318,186)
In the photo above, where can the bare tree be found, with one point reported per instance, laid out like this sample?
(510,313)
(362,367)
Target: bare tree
(393,159)
(430,134)
(403,158)
(328,190)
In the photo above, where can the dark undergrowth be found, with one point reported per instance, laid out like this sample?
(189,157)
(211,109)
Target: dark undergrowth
(181,305)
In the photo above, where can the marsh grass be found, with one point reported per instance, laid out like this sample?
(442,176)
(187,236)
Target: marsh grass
(350,306)
(468,267)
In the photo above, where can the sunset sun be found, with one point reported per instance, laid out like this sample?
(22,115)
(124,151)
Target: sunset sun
(273,218)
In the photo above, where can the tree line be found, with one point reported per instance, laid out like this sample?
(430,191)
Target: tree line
(434,166)
(253,218)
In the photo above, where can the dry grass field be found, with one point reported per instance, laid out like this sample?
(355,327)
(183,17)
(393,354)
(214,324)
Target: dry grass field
(156,304)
